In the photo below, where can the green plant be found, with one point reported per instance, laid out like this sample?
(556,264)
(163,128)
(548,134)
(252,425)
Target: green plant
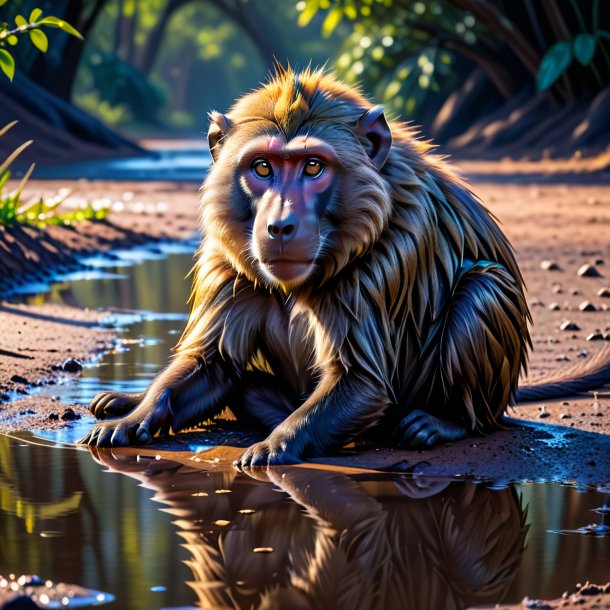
(581,47)
(31,26)
(39,211)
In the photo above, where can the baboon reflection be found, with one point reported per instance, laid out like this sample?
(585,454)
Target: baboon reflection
(308,539)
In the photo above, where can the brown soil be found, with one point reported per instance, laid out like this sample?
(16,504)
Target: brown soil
(585,597)
(567,225)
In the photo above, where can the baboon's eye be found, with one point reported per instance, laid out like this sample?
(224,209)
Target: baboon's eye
(313,168)
(262,168)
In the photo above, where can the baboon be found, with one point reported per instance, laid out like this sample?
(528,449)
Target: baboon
(347,279)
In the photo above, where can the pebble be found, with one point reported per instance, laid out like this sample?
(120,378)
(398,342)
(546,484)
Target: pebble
(565,416)
(568,325)
(587,306)
(19,379)
(543,412)
(72,366)
(603,292)
(549,266)
(589,271)
(595,336)
(562,358)
(600,261)
(557,289)
(536,303)
(53,416)
(70,415)
(554,307)
(575,292)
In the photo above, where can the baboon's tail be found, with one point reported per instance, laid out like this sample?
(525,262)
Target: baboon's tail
(586,375)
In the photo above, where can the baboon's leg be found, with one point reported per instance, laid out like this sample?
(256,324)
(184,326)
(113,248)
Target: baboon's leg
(186,393)
(262,401)
(471,361)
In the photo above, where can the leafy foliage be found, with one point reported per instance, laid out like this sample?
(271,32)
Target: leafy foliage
(39,211)
(38,38)
(406,51)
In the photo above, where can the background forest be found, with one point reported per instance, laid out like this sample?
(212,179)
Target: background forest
(519,78)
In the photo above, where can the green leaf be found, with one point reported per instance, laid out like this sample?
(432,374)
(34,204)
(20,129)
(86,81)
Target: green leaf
(12,40)
(35,14)
(554,63)
(4,179)
(308,13)
(39,40)
(55,22)
(584,48)
(332,21)
(3,2)
(20,21)
(7,64)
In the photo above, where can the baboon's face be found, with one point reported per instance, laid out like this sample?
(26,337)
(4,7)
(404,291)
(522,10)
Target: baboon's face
(289,185)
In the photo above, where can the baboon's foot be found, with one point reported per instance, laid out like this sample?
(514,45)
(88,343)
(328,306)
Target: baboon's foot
(420,430)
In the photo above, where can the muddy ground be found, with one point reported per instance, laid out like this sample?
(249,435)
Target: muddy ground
(555,228)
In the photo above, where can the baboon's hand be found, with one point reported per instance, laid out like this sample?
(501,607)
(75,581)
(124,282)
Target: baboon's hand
(275,450)
(137,428)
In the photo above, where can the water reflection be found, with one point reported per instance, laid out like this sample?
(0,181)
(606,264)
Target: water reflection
(304,538)
(63,518)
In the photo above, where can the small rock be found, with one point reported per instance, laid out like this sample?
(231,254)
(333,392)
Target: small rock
(595,336)
(589,271)
(554,306)
(587,306)
(536,303)
(583,353)
(565,416)
(557,289)
(543,412)
(604,292)
(19,379)
(562,358)
(600,261)
(53,416)
(575,292)
(72,366)
(70,415)
(549,266)
(568,325)
(4,397)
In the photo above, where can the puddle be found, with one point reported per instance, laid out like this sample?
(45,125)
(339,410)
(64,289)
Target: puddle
(174,165)
(187,531)
(184,529)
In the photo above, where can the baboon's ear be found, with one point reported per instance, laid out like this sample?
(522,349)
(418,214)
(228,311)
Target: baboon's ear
(219,127)
(375,129)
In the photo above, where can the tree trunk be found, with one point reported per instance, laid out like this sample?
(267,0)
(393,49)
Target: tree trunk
(146,61)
